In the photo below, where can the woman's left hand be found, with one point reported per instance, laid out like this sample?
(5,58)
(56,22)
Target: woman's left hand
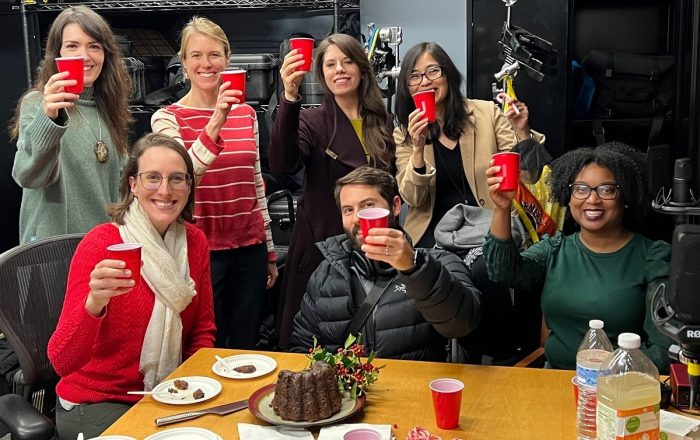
(224,101)
(271,275)
(390,246)
(519,118)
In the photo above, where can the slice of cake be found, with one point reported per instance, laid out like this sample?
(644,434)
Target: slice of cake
(308,395)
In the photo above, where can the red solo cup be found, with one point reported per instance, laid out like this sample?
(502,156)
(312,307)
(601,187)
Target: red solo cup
(362,434)
(373,218)
(510,170)
(425,101)
(73,65)
(447,401)
(574,382)
(305,46)
(129,253)
(237,79)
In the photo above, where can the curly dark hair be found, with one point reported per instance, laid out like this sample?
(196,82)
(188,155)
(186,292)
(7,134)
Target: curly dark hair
(627,164)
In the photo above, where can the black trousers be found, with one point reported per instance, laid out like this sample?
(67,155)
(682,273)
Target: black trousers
(92,419)
(238,277)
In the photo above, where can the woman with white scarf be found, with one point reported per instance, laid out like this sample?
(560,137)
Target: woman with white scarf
(113,337)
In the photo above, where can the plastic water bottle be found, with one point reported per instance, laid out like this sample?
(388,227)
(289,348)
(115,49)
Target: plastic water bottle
(628,393)
(593,351)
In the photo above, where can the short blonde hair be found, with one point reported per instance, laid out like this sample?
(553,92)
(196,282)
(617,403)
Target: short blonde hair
(206,27)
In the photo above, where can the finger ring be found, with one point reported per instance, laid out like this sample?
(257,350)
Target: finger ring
(386,250)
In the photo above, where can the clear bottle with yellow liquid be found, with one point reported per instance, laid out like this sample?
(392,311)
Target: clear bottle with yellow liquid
(628,394)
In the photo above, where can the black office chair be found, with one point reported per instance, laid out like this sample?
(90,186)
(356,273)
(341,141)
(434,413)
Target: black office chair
(32,287)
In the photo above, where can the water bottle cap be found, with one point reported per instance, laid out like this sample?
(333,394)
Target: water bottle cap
(629,340)
(595,324)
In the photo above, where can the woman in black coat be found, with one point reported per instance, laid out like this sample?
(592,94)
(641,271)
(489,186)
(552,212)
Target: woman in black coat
(350,129)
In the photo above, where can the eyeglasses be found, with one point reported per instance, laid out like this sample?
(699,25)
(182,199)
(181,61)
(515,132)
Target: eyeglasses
(582,191)
(177,181)
(431,74)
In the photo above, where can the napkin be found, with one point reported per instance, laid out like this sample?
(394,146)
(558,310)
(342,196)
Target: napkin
(336,432)
(257,432)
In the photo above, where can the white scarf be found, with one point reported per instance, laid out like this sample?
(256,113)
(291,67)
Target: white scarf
(166,270)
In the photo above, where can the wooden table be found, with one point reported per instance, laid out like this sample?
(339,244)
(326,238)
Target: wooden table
(498,402)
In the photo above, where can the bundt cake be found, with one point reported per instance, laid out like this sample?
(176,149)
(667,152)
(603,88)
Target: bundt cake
(308,395)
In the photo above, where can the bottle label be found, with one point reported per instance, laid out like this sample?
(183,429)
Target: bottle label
(587,376)
(628,424)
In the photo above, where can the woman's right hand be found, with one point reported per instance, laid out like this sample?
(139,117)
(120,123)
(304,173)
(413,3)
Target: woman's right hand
(291,77)
(418,128)
(502,199)
(55,98)
(108,279)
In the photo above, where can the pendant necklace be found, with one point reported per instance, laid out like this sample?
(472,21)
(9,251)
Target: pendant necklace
(101,149)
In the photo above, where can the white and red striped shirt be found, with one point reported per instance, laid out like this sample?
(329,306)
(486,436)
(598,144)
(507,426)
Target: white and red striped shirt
(230,204)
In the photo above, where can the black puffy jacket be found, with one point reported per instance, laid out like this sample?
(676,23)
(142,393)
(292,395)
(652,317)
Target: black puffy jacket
(413,318)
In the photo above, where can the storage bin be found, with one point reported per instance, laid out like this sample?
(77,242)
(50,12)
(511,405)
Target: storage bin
(261,74)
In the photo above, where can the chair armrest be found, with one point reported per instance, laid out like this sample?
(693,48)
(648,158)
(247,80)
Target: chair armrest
(533,359)
(23,420)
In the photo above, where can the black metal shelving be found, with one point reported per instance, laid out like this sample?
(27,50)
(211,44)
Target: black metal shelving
(171,5)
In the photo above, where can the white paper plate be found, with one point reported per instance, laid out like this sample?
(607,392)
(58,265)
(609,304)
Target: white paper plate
(185,434)
(263,365)
(210,387)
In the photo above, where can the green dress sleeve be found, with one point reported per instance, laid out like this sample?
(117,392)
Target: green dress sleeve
(657,270)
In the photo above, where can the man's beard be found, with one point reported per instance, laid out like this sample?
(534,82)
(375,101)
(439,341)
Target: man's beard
(357,242)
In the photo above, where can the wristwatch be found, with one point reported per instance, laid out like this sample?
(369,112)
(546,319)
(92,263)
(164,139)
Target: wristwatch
(417,262)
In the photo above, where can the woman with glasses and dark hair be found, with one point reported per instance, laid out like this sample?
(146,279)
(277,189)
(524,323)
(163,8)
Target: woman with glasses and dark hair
(442,164)
(606,270)
(71,147)
(113,335)
(221,134)
(350,129)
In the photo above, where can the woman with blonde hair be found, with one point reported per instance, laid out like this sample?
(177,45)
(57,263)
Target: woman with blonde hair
(350,129)
(221,135)
(71,148)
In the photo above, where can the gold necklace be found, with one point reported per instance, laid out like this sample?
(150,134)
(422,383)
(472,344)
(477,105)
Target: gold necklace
(101,149)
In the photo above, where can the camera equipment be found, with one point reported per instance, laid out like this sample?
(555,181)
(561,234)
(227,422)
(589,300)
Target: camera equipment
(383,52)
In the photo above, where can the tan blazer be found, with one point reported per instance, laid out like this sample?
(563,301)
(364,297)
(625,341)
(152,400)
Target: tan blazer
(488,129)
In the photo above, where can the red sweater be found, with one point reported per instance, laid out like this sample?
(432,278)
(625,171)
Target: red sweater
(98,358)
(230,204)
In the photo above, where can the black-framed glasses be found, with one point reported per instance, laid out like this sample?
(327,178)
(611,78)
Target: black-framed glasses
(177,181)
(431,74)
(582,191)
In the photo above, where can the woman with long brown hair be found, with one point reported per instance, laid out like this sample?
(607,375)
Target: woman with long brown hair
(350,129)
(71,148)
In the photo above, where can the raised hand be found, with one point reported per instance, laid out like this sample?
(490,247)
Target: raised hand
(55,98)
(291,78)
(502,199)
(390,246)
(108,279)
(225,99)
(518,115)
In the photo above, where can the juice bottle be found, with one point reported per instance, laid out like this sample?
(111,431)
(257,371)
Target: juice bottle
(628,394)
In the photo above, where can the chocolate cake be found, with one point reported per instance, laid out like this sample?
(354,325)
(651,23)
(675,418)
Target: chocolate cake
(307,396)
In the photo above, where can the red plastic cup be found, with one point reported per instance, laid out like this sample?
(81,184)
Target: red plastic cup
(447,401)
(373,218)
(510,170)
(129,253)
(237,78)
(574,383)
(362,434)
(305,46)
(425,101)
(73,65)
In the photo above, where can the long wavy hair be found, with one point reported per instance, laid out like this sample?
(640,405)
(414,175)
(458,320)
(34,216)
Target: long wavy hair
(455,116)
(377,137)
(117,210)
(113,85)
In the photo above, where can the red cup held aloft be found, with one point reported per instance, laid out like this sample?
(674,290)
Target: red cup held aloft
(425,101)
(237,79)
(510,170)
(129,253)
(373,218)
(305,46)
(447,402)
(74,67)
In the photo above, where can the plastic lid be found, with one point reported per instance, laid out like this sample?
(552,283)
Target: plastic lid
(629,340)
(595,324)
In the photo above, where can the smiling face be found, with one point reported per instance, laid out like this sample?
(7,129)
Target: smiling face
(76,43)
(341,74)
(423,64)
(596,215)
(163,205)
(355,197)
(205,59)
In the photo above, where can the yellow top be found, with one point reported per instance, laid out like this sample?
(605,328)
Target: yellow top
(357,125)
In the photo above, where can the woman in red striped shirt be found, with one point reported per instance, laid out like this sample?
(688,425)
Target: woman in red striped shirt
(221,134)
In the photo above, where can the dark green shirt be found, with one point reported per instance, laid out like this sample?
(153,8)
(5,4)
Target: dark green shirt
(579,285)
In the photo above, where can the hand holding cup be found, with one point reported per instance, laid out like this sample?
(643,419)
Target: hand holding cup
(502,199)
(116,275)
(291,75)
(55,95)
